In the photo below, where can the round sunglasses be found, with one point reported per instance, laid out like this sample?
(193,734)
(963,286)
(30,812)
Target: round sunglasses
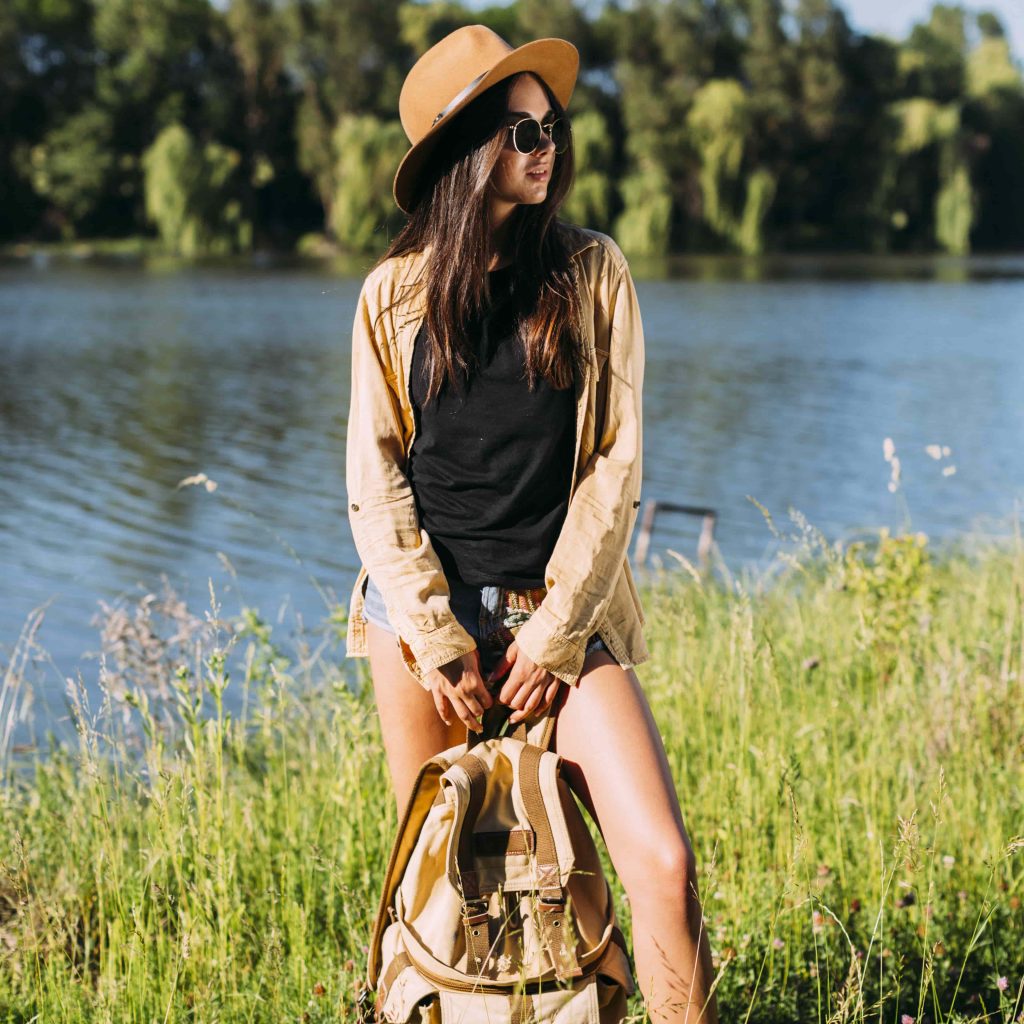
(526,134)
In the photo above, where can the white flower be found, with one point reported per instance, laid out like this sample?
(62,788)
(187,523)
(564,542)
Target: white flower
(888,449)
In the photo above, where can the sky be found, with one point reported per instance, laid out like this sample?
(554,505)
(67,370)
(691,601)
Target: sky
(894,17)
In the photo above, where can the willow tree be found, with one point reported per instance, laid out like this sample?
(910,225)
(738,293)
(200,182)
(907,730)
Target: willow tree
(736,199)
(589,203)
(643,226)
(927,128)
(367,152)
(190,195)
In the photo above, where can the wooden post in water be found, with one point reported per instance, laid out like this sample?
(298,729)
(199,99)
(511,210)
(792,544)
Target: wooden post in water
(708,518)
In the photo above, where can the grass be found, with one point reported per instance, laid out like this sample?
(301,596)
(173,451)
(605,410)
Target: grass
(845,730)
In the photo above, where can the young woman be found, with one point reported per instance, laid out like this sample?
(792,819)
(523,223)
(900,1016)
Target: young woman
(493,474)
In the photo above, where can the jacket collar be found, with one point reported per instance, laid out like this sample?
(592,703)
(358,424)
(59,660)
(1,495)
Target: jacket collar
(410,266)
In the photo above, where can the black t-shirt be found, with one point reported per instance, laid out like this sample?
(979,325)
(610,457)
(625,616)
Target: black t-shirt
(491,468)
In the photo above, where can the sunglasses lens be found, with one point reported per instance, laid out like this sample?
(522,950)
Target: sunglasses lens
(560,135)
(527,136)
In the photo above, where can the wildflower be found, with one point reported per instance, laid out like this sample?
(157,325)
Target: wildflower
(824,869)
(934,450)
(778,943)
(318,989)
(948,861)
(961,895)
(906,1019)
(813,970)
(948,470)
(817,921)
(1002,982)
(888,449)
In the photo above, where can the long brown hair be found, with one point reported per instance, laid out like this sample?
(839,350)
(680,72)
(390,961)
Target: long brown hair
(451,217)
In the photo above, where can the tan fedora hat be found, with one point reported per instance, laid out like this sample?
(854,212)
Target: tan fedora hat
(455,71)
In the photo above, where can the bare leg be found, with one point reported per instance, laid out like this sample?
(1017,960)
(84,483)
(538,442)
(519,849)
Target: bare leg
(411,727)
(615,761)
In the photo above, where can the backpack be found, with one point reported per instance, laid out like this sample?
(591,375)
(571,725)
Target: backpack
(495,908)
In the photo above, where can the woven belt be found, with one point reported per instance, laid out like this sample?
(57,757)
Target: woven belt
(515,605)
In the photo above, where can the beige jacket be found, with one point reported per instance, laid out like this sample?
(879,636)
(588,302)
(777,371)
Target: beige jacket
(589,584)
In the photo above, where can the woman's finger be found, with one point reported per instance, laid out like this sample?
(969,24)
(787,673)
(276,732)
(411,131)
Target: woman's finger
(439,703)
(530,706)
(465,713)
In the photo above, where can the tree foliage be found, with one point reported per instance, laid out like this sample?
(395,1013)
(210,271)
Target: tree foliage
(699,124)
(188,194)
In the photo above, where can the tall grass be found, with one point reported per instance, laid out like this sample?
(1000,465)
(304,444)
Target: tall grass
(845,731)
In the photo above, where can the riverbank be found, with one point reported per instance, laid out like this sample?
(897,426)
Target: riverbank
(845,733)
(317,250)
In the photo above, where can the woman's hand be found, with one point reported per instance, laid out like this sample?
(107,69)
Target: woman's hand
(458,684)
(529,688)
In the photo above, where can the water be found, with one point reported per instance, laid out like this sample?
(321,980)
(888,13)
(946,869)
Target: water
(778,380)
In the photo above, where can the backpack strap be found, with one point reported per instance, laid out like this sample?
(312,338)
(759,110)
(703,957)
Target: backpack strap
(497,714)
(399,962)
(474,906)
(552,901)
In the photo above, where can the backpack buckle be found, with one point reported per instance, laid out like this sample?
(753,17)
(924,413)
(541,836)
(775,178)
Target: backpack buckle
(474,911)
(552,904)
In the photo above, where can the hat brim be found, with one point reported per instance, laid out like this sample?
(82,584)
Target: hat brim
(557,61)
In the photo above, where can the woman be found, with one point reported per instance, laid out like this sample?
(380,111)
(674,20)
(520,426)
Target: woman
(493,473)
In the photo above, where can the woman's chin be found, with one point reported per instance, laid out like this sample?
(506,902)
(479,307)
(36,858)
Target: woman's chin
(533,196)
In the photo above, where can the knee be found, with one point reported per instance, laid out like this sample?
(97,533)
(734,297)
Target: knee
(664,872)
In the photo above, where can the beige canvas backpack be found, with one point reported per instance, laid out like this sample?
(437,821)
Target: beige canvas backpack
(495,908)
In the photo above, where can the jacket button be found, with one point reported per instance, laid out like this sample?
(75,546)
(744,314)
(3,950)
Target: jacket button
(355,508)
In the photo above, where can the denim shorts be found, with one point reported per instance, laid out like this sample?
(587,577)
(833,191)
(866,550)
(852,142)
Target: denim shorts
(478,610)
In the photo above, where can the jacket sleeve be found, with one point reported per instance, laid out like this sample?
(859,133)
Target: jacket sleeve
(591,546)
(396,552)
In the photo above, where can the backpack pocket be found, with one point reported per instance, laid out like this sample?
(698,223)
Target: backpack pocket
(557,1005)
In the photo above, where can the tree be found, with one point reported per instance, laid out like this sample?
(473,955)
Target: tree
(348,58)
(189,195)
(368,152)
(72,166)
(736,196)
(589,202)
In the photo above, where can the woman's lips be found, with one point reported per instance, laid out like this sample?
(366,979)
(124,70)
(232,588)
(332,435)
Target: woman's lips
(540,175)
